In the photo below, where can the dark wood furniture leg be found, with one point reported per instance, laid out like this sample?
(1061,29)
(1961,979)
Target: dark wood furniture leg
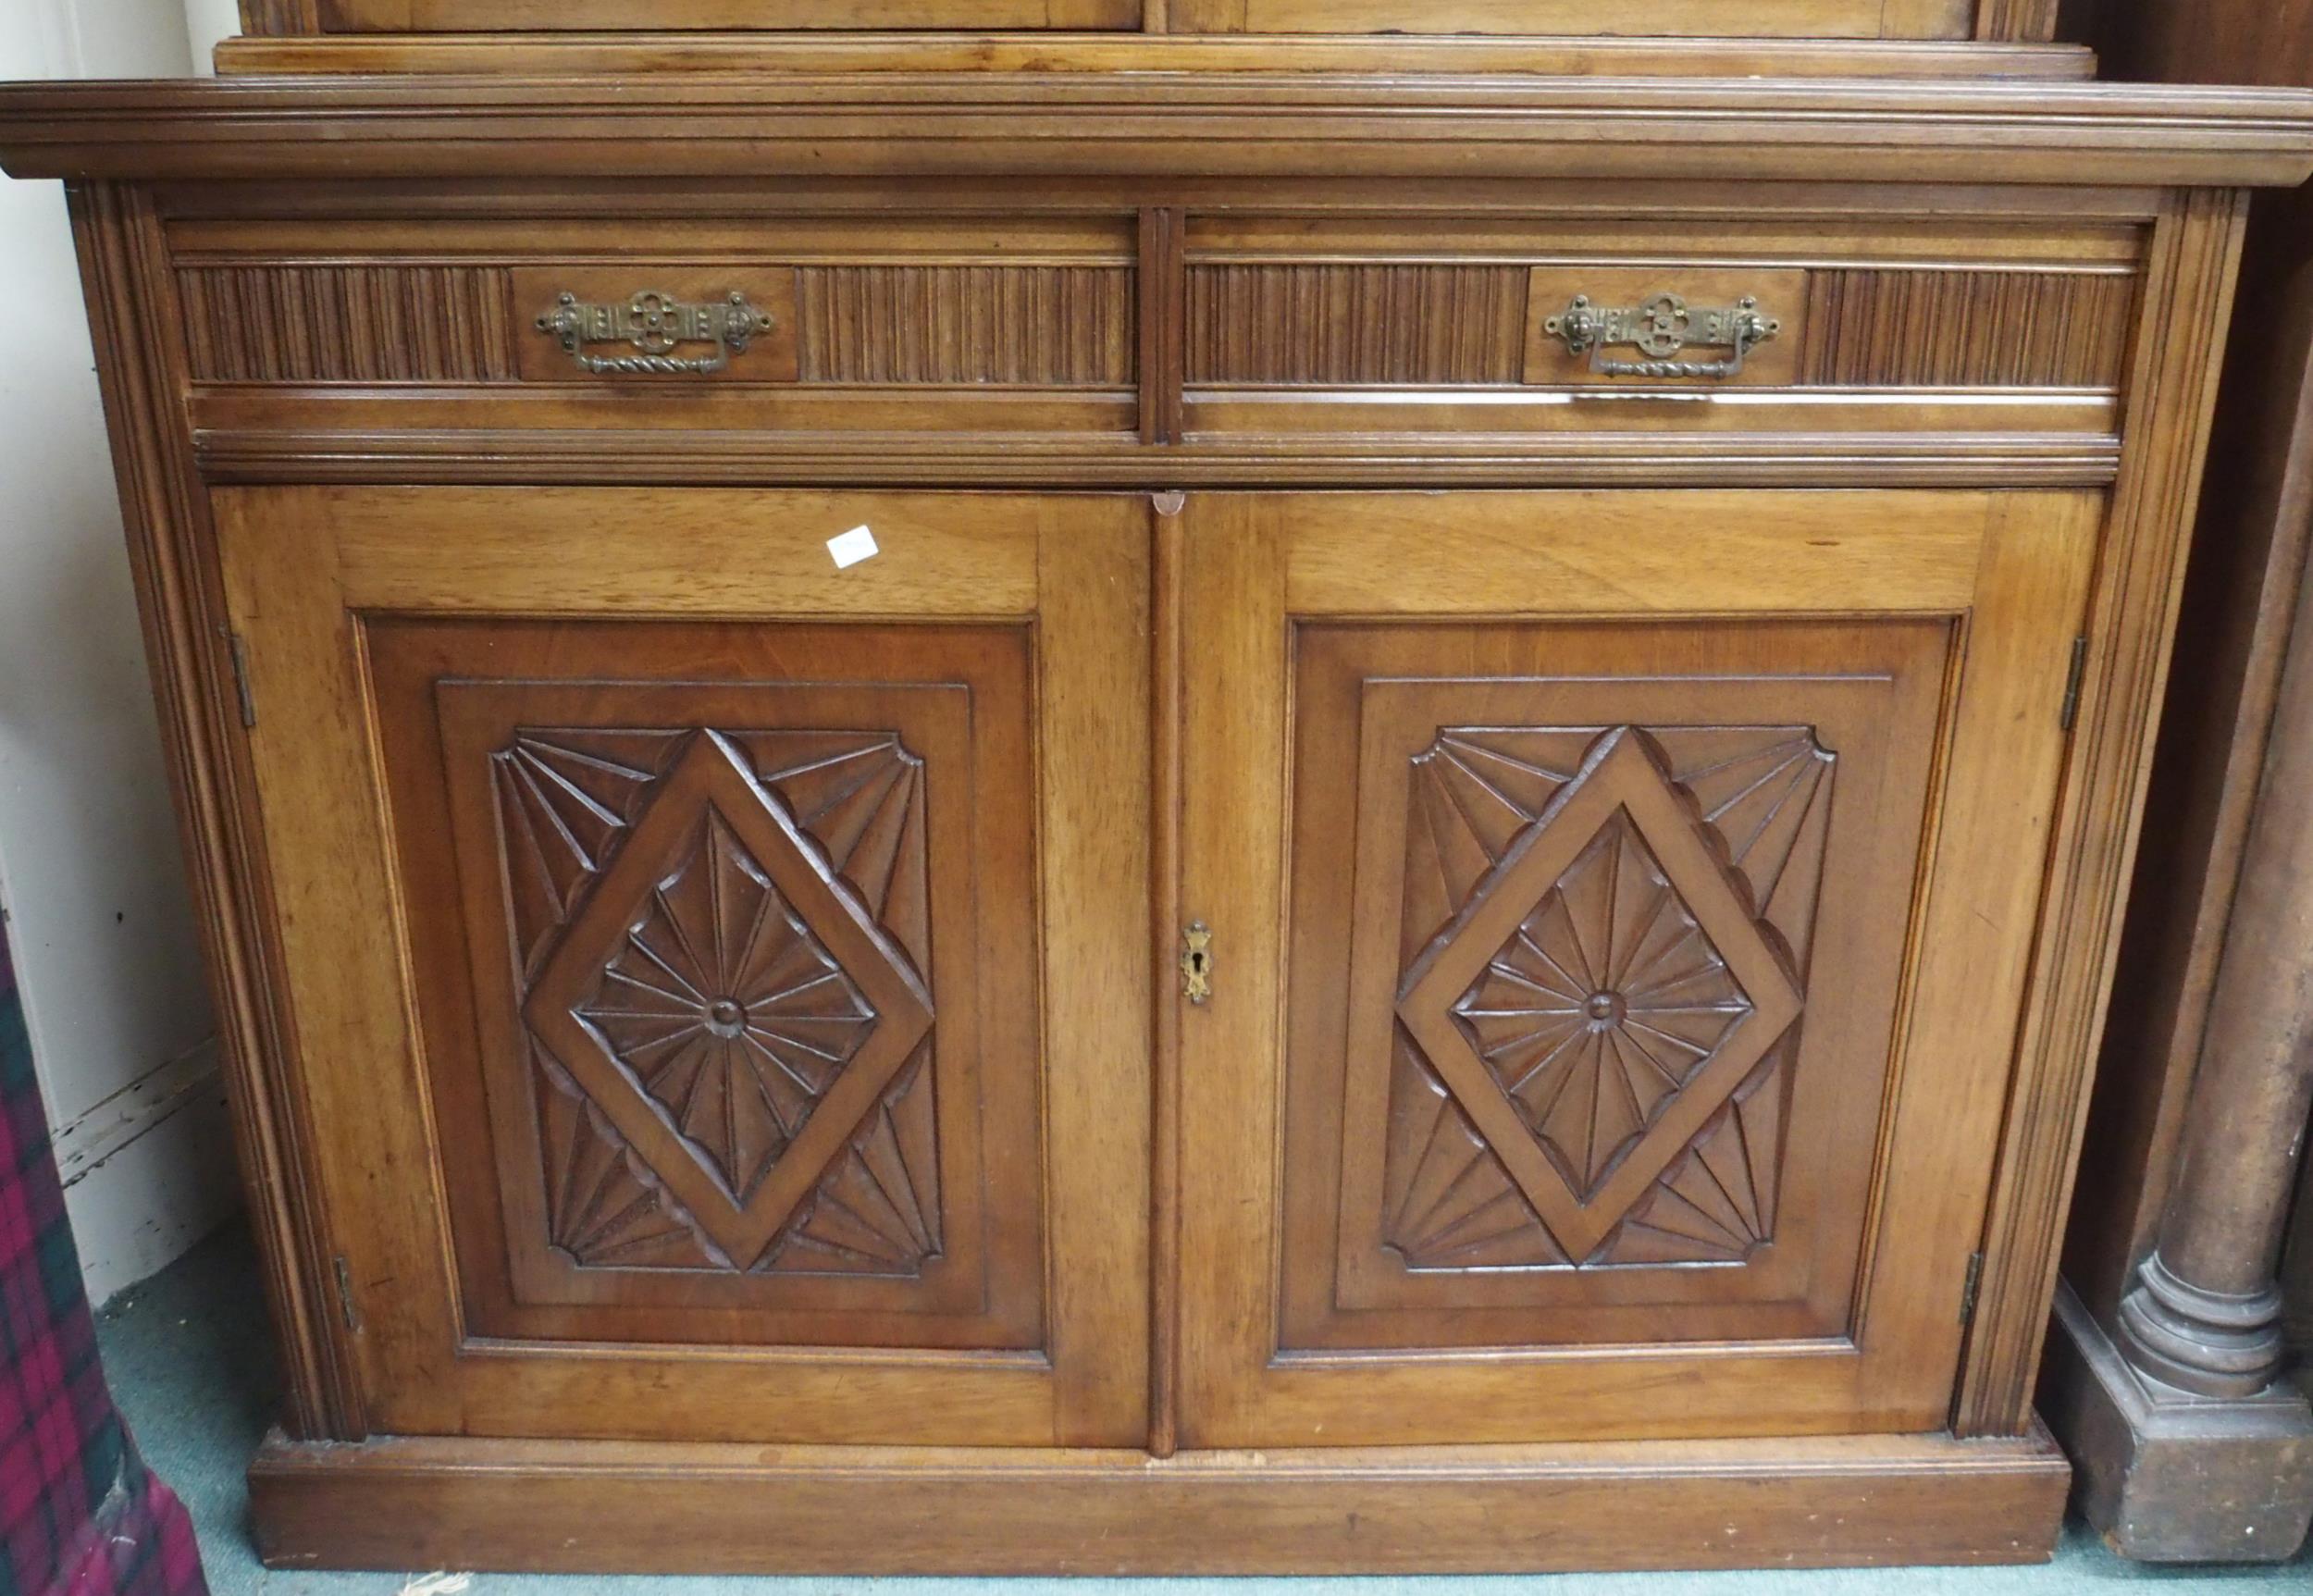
(2205,1315)
(2188,1442)
(2155,1379)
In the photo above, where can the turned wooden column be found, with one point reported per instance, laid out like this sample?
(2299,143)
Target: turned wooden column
(2206,1310)
(2157,1380)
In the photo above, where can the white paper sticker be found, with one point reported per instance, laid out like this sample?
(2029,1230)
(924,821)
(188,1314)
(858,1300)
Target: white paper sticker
(852,547)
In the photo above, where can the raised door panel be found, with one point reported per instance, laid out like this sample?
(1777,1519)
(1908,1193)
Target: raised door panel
(1623,905)
(700,1075)
(719,997)
(1621,908)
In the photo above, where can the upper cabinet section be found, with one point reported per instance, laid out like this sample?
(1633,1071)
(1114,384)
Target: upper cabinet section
(2032,20)
(295,17)
(1991,20)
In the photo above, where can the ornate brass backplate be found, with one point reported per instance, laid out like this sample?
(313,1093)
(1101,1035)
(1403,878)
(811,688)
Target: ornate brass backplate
(655,324)
(1661,326)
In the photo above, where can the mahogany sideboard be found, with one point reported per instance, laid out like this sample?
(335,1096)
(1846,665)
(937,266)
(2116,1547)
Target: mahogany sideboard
(1180,800)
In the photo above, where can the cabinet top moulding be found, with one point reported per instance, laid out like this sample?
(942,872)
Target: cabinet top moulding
(1166,124)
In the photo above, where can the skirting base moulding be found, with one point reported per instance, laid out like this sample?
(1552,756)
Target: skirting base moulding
(614,1506)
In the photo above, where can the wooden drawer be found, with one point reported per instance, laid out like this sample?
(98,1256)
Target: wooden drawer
(1492,327)
(788,323)
(989,335)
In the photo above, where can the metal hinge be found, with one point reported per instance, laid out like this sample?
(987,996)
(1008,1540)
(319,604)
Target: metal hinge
(2071,711)
(345,1294)
(1975,1279)
(239,652)
(1196,963)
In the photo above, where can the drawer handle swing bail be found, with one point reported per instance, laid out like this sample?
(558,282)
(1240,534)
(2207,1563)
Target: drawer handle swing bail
(1661,326)
(656,324)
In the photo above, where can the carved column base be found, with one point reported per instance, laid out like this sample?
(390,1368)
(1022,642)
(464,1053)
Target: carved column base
(2167,1476)
(2202,1341)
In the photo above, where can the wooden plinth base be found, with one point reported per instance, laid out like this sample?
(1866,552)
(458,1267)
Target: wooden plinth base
(612,1506)
(2168,1476)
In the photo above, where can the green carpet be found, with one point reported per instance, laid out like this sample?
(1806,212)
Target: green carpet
(191,1364)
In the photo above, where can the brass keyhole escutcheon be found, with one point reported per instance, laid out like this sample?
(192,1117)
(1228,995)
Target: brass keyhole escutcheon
(1197,961)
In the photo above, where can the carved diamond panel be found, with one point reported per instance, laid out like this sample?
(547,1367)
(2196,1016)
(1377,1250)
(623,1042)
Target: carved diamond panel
(603,1207)
(727,1010)
(1602,1006)
(729,948)
(564,803)
(1606,936)
(1450,1202)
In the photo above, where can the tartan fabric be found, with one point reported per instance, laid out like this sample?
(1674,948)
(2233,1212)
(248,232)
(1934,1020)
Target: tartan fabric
(80,1514)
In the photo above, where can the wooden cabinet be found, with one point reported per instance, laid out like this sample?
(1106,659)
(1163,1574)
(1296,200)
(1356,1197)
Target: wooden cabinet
(1620,904)
(744,944)
(963,811)
(1618,941)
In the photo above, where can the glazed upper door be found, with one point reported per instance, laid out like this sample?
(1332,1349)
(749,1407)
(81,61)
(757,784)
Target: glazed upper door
(1619,909)
(715,952)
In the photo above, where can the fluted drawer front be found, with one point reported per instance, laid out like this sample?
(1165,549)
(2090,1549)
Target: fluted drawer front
(1019,327)
(1704,327)
(347,324)
(1942,329)
(1292,324)
(1060,327)
(1383,323)
(1555,331)
(783,326)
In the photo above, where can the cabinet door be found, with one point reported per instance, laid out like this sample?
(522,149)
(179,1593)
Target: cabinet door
(717,973)
(1620,906)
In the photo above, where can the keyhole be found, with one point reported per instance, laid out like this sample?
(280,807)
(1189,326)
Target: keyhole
(1196,963)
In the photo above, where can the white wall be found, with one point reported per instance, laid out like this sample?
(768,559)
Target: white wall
(90,871)
(209,21)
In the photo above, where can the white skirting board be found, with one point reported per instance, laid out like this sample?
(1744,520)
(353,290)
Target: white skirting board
(148,1171)
(103,938)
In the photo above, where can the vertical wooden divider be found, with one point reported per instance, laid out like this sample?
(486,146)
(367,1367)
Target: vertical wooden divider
(1163,288)
(1168,535)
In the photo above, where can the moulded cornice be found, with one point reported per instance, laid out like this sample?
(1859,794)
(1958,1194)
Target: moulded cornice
(1155,125)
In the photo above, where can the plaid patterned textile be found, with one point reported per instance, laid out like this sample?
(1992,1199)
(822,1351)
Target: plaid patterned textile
(80,1514)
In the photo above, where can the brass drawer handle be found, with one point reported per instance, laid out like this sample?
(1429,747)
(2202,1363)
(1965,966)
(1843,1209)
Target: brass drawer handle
(656,324)
(1661,326)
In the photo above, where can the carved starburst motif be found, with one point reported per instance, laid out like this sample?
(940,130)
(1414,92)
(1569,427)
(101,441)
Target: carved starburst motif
(727,1009)
(732,1009)
(1601,1005)
(1606,989)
